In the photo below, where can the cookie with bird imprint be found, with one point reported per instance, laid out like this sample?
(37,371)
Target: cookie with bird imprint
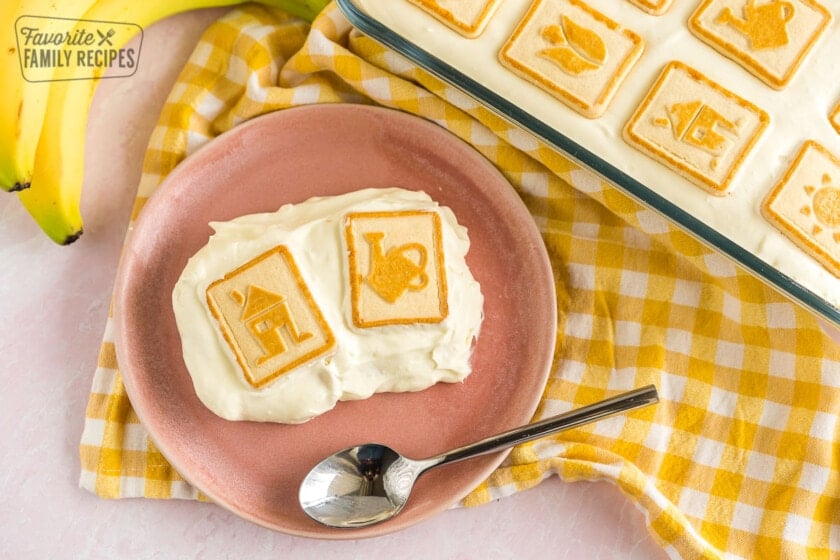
(467,17)
(770,38)
(396,268)
(573,52)
(805,204)
(696,127)
(268,317)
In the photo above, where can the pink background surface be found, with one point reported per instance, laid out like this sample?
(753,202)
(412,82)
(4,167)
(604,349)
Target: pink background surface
(54,302)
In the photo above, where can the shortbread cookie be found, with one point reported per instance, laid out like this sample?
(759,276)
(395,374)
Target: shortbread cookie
(396,268)
(268,317)
(467,17)
(770,38)
(834,117)
(573,52)
(696,127)
(805,204)
(653,7)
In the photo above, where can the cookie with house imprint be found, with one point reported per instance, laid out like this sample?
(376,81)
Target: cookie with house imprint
(268,317)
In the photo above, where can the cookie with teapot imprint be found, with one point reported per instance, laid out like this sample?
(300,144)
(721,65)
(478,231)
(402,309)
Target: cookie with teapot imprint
(769,38)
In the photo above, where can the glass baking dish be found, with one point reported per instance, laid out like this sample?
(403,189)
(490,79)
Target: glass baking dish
(732,223)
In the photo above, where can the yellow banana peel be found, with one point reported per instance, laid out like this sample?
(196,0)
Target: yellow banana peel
(53,196)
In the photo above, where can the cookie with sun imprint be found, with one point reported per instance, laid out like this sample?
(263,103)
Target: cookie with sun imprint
(805,204)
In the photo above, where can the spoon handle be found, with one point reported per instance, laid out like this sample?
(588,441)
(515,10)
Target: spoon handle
(571,419)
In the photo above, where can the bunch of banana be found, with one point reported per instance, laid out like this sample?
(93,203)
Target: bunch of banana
(43,124)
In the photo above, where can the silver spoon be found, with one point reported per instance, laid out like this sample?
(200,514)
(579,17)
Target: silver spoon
(370,483)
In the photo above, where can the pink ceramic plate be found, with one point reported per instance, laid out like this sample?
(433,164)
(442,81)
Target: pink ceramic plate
(254,469)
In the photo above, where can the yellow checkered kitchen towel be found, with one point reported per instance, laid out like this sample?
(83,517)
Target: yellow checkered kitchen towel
(740,457)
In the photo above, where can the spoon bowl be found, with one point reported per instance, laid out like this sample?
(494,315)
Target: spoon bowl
(370,483)
(358,486)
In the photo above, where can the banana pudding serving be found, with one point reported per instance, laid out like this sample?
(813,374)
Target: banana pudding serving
(283,314)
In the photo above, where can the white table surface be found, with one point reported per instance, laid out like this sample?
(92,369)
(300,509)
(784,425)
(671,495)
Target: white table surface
(53,304)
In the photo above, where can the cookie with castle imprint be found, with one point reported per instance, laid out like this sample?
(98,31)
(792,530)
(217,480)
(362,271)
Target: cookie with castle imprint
(770,38)
(696,127)
(805,204)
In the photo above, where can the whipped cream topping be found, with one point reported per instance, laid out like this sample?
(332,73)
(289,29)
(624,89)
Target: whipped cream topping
(364,361)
